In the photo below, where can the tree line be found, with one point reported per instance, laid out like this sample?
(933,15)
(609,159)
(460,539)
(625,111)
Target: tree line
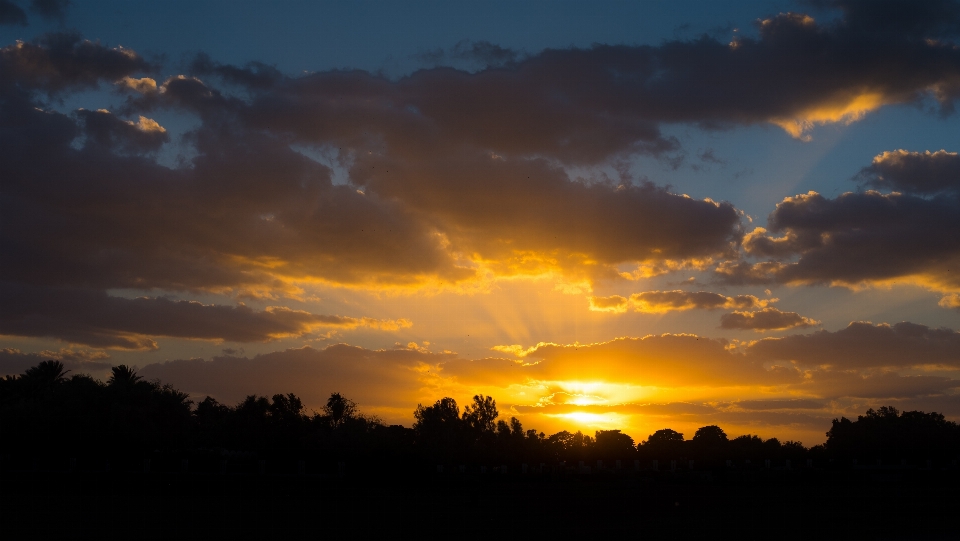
(46,411)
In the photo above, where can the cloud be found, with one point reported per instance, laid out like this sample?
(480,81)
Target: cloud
(51,10)
(12,14)
(671,409)
(613,303)
(62,61)
(787,404)
(453,178)
(708,156)
(768,319)
(665,360)
(852,240)
(888,385)
(13,361)
(106,130)
(585,105)
(677,300)
(934,19)
(471,55)
(950,301)
(530,214)
(864,345)
(143,85)
(98,320)
(462,174)
(393,381)
(687,416)
(659,302)
(746,273)
(250,212)
(384,379)
(254,75)
(922,173)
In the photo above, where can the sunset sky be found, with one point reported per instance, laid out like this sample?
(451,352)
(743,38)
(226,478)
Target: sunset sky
(633,215)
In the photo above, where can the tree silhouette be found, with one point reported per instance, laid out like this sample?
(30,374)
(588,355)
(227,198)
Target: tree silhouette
(886,433)
(45,376)
(612,444)
(710,436)
(664,443)
(438,427)
(339,409)
(43,412)
(482,414)
(664,436)
(123,376)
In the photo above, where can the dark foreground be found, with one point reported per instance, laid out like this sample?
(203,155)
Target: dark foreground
(838,505)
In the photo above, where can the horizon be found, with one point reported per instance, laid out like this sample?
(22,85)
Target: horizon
(629,216)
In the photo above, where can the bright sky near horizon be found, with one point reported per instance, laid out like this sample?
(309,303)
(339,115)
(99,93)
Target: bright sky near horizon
(630,215)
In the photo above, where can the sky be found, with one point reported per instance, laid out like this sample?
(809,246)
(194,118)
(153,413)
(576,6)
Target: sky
(616,215)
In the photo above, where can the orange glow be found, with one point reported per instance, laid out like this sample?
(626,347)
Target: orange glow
(592,421)
(846,111)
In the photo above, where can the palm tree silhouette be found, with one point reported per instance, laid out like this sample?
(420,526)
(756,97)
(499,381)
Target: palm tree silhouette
(123,376)
(45,376)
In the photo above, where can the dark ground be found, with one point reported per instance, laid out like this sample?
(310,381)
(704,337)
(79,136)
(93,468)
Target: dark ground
(60,505)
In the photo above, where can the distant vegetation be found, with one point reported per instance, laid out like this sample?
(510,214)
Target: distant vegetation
(47,413)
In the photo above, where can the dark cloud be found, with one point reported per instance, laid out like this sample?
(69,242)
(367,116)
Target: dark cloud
(708,156)
(255,75)
(104,129)
(857,237)
(12,14)
(864,345)
(746,273)
(790,404)
(471,55)
(396,379)
(865,236)
(934,19)
(62,61)
(95,319)
(948,404)
(754,420)
(388,378)
(452,175)
(13,361)
(485,53)
(501,208)
(921,173)
(768,319)
(665,301)
(586,105)
(52,10)
(250,214)
(888,385)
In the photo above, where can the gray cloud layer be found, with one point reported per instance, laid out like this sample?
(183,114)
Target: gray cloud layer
(914,172)
(767,319)
(449,170)
(864,345)
(856,237)
(95,319)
